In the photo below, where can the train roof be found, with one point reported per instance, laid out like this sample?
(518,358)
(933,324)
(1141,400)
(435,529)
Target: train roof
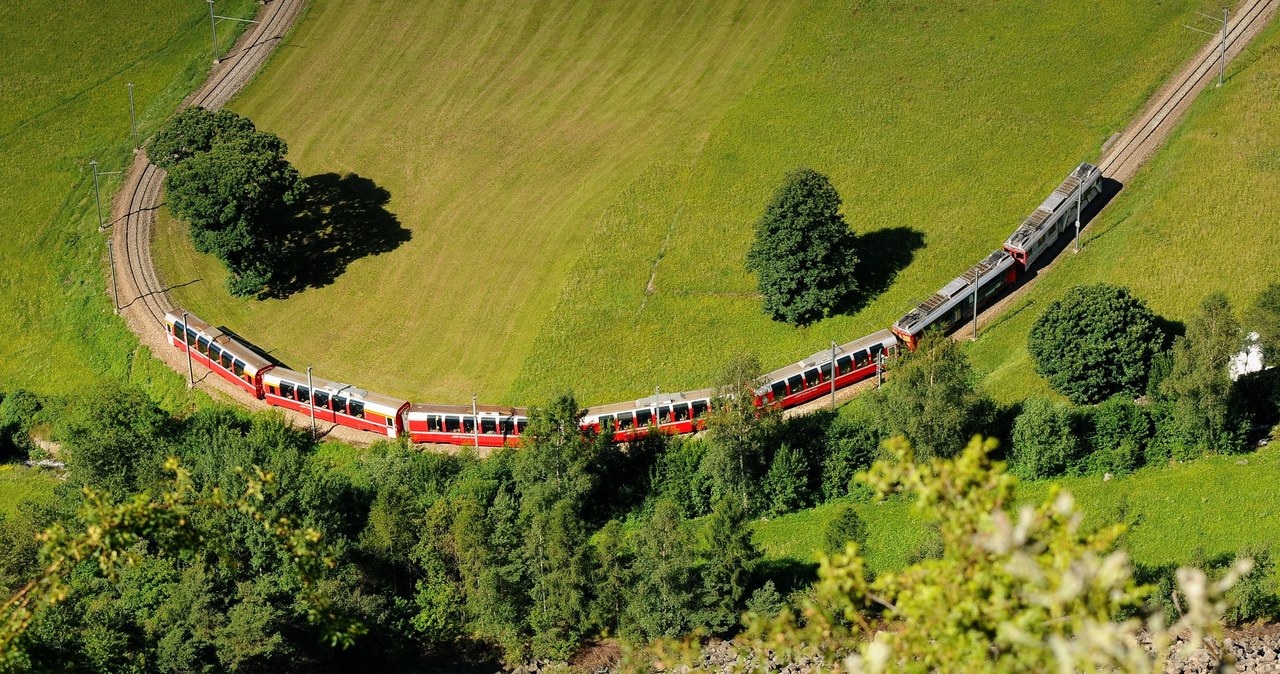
(390,403)
(884,338)
(651,401)
(1030,228)
(254,361)
(465,410)
(960,287)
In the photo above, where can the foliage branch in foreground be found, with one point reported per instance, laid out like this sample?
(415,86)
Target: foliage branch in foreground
(1011,592)
(113,536)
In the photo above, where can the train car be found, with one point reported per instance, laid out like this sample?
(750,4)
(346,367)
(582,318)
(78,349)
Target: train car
(810,378)
(954,303)
(481,426)
(682,412)
(1041,229)
(226,356)
(336,403)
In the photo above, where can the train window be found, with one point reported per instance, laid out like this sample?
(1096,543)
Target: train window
(779,389)
(390,422)
(191,336)
(664,414)
(202,345)
(626,420)
(322,399)
(468,424)
(452,424)
(226,360)
(303,394)
(606,424)
(356,409)
(699,408)
(435,423)
(286,390)
(681,412)
(643,417)
(844,365)
(215,351)
(826,371)
(861,358)
(521,424)
(338,404)
(238,366)
(488,425)
(505,426)
(811,378)
(795,384)
(176,329)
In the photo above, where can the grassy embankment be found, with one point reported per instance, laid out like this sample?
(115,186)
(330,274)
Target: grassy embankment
(556,162)
(64,102)
(1202,217)
(1210,506)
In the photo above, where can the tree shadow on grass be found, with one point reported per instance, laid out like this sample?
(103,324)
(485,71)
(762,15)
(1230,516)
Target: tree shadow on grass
(881,255)
(341,219)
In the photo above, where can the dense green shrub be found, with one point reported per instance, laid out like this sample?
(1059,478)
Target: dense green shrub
(1254,598)
(1045,440)
(678,478)
(1208,415)
(1118,433)
(18,412)
(847,526)
(785,485)
(1094,342)
(852,445)
(804,253)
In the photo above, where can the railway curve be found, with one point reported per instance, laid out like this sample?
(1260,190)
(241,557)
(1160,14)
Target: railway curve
(144,297)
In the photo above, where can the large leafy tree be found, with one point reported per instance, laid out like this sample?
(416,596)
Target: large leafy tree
(737,433)
(932,398)
(1094,342)
(196,130)
(1264,318)
(804,253)
(1200,385)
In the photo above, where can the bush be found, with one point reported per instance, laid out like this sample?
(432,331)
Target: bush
(766,601)
(804,253)
(678,478)
(845,527)
(1094,342)
(1045,440)
(1253,599)
(851,446)
(1119,431)
(18,412)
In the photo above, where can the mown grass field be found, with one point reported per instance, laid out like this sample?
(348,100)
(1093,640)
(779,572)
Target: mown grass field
(19,484)
(1201,217)
(581,180)
(63,102)
(1174,513)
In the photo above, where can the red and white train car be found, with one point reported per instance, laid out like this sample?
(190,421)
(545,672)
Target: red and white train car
(481,426)
(224,355)
(682,412)
(810,378)
(337,403)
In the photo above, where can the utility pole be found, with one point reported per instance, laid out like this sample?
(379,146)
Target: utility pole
(97,194)
(115,289)
(213,26)
(311,391)
(834,372)
(133,117)
(977,276)
(475,422)
(879,368)
(1222,47)
(186,341)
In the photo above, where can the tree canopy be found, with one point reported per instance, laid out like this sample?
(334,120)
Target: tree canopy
(1094,342)
(804,253)
(1200,386)
(932,398)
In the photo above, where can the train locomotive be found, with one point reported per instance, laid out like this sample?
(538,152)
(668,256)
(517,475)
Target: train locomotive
(821,374)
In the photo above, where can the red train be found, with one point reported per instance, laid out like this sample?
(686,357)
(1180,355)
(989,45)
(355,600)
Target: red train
(684,412)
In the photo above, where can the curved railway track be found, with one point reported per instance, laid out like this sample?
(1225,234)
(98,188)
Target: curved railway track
(144,298)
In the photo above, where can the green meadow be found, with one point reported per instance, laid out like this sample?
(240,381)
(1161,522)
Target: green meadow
(580,180)
(63,102)
(1201,217)
(1173,514)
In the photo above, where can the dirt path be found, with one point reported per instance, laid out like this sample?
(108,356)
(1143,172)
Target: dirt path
(143,295)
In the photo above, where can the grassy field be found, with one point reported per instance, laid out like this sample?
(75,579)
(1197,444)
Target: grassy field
(1200,218)
(19,484)
(580,180)
(63,102)
(1174,513)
